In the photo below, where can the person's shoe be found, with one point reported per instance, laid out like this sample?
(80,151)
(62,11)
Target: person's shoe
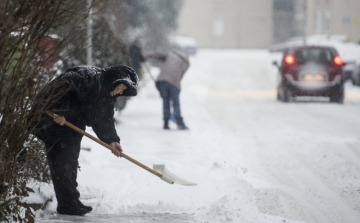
(87,208)
(71,210)
(166,124)
(180,123)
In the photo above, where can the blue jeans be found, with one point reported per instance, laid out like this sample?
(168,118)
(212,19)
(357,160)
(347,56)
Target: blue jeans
(169,92)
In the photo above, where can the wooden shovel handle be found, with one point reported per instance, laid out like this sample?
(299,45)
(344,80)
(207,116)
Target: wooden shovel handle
(148,70)
(108,146)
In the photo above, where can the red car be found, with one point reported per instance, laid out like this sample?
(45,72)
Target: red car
(311,71)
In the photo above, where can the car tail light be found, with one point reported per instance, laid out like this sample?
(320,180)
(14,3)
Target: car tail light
(337,60)
(289,59)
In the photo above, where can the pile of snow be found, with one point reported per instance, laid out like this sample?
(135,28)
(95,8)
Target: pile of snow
(183,41)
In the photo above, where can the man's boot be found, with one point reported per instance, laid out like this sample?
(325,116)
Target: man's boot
(166,124)
(180,123)
(87,208)
(71,210)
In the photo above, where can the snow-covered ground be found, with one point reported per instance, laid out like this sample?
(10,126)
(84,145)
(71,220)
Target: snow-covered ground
(254,159)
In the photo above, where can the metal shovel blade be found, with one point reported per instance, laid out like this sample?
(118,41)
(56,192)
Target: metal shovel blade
(170,177)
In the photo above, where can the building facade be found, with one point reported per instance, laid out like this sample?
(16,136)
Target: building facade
(227,23)
(329,17)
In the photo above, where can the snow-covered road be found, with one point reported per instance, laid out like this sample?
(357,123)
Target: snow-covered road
(254,159)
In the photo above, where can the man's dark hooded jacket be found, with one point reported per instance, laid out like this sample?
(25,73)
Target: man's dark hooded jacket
(87,102)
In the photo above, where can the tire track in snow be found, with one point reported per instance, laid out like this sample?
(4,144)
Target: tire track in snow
(291,135)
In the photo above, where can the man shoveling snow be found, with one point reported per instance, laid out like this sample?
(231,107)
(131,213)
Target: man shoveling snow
(84,96)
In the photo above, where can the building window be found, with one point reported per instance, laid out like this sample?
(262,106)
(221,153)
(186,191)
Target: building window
(218,27)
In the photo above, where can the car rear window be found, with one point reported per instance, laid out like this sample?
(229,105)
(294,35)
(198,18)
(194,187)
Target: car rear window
(319,56)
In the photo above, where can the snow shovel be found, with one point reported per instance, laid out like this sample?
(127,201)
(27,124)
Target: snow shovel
(148,71)
(158,169)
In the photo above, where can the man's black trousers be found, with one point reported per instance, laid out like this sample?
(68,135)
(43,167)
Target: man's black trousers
(63,170)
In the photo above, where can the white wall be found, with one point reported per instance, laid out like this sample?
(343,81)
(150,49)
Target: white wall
(334,17)
(227,23)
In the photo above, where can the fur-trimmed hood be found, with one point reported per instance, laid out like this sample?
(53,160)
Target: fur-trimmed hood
(110,77)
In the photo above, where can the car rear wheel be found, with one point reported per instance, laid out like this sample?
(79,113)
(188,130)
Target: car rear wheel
(356,80)
(353,81)
(283,94)
(338,99)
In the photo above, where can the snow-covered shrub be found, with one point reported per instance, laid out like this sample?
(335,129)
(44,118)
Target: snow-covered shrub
(27,52)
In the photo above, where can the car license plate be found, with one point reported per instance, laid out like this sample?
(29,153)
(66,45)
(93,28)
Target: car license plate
(314,77)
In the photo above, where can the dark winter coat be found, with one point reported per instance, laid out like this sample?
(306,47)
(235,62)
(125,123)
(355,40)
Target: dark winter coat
(87,102)
(174,65)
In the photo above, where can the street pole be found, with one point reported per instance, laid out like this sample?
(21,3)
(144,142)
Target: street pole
(89,35)
(304,23)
